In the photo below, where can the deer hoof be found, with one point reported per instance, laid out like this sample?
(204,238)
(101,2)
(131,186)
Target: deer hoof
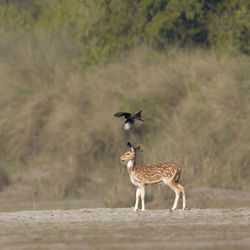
(171,210)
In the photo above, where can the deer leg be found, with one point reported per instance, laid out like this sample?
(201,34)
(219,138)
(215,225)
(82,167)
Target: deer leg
(176,189)
(138,193)
(183,195)
(142,188)
(177,195)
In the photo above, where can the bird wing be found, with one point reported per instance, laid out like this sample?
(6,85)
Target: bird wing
(126,115)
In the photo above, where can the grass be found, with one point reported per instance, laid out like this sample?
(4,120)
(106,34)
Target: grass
(58,133)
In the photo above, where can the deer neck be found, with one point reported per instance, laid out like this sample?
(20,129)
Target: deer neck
(131,166)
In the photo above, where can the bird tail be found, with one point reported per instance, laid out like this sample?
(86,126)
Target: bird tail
(138,116)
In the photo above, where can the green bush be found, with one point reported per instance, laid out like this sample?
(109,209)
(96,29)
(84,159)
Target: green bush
(105,30)
(229,26)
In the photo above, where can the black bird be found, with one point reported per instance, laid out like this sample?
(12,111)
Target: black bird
(129,118)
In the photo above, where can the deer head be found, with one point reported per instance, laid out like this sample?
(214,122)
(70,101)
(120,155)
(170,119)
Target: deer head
(131,153)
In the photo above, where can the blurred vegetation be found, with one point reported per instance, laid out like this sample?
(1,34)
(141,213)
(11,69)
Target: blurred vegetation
(67,66)
(105,29)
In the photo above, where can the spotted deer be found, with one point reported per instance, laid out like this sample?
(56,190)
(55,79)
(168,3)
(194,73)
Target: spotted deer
(140,176)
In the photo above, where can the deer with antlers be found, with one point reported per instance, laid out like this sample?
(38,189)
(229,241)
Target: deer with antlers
(140,176)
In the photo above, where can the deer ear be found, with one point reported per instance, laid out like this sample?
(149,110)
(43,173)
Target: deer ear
(138,149)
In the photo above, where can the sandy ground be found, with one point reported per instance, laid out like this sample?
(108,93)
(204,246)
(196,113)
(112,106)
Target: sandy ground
(219,219)
(121,228)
